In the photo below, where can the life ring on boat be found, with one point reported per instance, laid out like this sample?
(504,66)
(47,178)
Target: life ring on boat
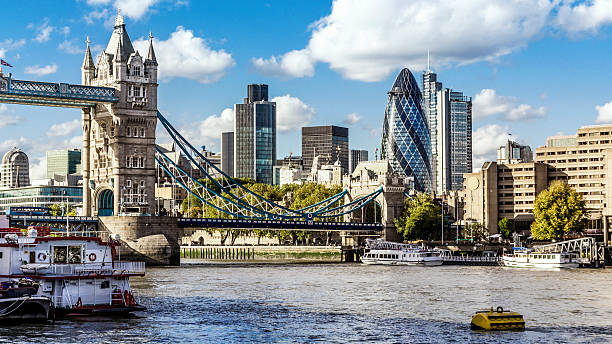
(92,257)
(500,309)
(42,257)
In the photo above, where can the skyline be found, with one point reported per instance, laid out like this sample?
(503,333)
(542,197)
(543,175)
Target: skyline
(527,78)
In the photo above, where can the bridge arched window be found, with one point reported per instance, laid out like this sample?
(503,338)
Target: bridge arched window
(136,71)
(142,132)
(141,162)
(128,162)
(128,131)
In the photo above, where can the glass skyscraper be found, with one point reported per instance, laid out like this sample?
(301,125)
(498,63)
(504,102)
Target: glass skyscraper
(255,136)
(449,115)
(405,140)
(63,162)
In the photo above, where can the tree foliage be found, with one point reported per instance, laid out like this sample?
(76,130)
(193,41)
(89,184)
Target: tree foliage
(291,196)
(476,231)
(59,209)
(506,227)
(558,211)
(421,219)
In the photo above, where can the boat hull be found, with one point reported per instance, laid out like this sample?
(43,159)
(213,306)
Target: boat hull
(26,309)
(538,265)
(97,311)
(368,261)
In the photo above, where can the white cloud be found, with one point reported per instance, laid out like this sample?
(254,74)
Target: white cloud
(294,64)
(7,119)
(10,44)
(64,129)
(38,168)
(44,32)
(367,40)
(70,47)
(98,2)
(588,16)
(211,128)
(352,118)
(66,30)
(487,103)
(187,56)
(604,113)
(291,113)
(41,71)
(134,9)
(486,140)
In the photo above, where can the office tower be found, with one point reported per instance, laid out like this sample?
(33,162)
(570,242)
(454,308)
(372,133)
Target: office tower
(431,86)
(255,136)
(356,157)
(227,153)
(63,162)
(454,140)
(405,139)
(449,115)
(514,153)
(330,143)
(15,169)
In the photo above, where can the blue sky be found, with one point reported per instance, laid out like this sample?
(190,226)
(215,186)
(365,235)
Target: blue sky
(535,68)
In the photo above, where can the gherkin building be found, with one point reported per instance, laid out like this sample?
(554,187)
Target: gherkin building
(405,139)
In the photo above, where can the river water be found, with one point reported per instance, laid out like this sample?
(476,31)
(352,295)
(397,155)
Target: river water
(346,303)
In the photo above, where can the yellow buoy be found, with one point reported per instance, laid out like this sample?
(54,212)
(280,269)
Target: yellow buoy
(497,320)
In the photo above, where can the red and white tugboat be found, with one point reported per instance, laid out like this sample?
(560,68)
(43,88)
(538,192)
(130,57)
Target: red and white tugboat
(78,274)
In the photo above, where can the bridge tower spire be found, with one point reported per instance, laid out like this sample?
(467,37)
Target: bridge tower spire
(119,139)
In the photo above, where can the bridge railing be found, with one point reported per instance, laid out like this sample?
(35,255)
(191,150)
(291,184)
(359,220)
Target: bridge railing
(59,90)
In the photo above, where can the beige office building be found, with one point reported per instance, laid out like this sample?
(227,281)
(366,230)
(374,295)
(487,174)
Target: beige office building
(508,190)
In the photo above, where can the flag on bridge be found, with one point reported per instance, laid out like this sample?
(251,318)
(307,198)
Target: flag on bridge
(4,63)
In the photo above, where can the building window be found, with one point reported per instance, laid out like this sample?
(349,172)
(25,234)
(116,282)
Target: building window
(128,183)
(128,161)
(142,184)
(136,71)
(142,132)
(112,131)
(128,131)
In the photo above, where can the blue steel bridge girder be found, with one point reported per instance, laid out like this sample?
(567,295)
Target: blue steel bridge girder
(53,94)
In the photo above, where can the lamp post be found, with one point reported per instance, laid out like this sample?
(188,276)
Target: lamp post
(67,214)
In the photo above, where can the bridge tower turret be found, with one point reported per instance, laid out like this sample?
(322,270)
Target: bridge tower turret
(119,139)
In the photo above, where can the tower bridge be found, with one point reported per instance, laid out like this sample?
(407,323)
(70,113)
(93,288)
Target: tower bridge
(118,102)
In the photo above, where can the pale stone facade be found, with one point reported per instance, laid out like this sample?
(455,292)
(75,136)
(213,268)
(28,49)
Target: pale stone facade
(119,139)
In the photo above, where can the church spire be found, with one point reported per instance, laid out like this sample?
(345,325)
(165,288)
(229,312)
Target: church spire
(151,56)
(88,62)
(119,19)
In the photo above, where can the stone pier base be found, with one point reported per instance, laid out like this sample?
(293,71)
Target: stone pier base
(152,239)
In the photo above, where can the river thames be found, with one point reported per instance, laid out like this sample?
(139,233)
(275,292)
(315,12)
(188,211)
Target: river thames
(346,303)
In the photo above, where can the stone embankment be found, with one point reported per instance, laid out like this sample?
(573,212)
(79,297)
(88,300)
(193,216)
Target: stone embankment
(261,254)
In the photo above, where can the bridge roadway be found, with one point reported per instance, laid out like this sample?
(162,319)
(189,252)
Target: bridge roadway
(185,222)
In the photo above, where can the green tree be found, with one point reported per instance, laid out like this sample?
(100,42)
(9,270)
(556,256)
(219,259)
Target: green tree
(476,231)
(558,210)
(506,227)
(59,209)
(421,219)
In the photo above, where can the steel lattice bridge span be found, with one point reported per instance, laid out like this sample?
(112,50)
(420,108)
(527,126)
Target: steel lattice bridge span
(245,208)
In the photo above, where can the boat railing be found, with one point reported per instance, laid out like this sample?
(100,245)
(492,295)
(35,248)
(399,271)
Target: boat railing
(116,268)
(470,259)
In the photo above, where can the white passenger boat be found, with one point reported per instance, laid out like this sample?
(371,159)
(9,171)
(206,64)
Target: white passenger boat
(80,275)
(523,258)
(379,252)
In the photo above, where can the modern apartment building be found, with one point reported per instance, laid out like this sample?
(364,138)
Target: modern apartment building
(330,143)
(255,136)
(355,157)
(63,162)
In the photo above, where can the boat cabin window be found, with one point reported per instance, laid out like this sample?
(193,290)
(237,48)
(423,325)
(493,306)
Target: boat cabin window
(32,257)
(67,254)
(105,284)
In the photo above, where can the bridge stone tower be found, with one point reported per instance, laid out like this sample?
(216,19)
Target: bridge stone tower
(368,177)
(119,139)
